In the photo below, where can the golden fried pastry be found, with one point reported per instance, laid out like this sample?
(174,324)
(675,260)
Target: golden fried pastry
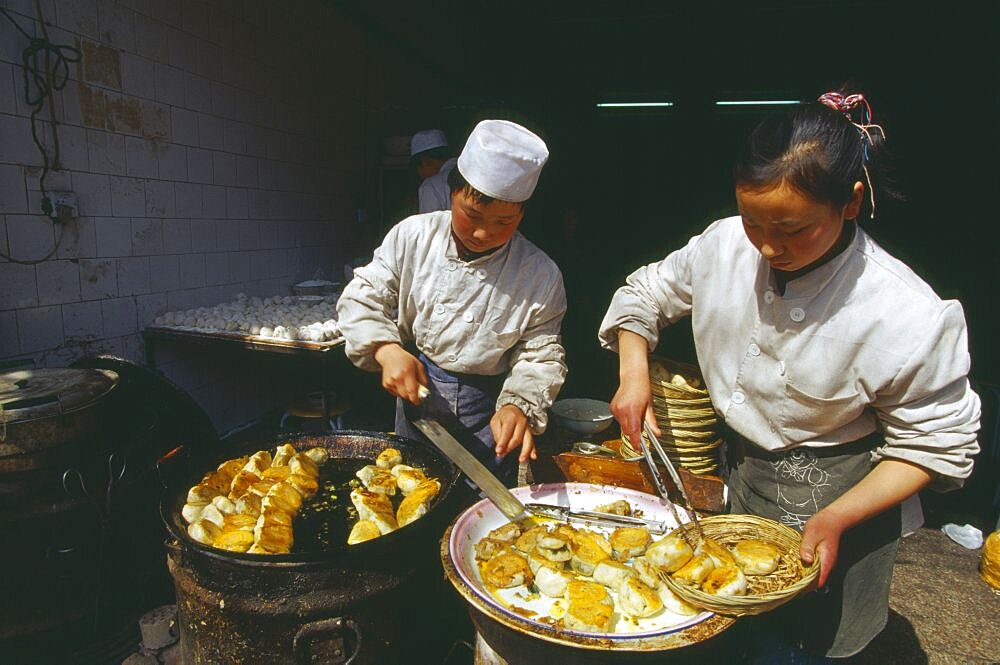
(283,453)
(619,507)
(389,458)
(588,549)
(408,478)
(249,504)
(627,542)
(556,556)
(234,540)
(720,555)
(755,557)
(262,486)
(553,540)
(669,553)
(277,473)
(377,479)
(727,580)
(528,539)
(203,531)
(242,482)
(694,572)
(417,502)
(362,531)
(276,539)
(258,462)
(375,508)
(507,569)
(300,463)
(507,533)
(318,455)
(638,599)
(236,521)
(191,512)
(487,548)
(674,603)
(589,606)
(202,493)
(550,581)
(612,574)
(225,505)
(305,485)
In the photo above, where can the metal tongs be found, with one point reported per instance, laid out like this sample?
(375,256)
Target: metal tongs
(594,517)
(662,489)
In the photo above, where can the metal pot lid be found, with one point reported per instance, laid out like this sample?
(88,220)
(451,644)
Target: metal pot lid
(33,394)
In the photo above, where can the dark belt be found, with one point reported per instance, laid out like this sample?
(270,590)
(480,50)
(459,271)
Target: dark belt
(738,447)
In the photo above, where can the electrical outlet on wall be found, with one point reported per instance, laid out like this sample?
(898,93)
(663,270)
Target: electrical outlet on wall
(63,205)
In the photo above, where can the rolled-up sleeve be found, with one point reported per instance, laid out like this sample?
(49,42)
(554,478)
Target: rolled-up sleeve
(930,414)
(654,296)
(538,362)
(366,310)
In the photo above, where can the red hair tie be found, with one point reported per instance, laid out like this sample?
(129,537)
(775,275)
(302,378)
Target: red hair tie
(845,104)
(839,102)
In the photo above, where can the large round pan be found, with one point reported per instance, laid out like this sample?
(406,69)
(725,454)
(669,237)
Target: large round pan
(345,447)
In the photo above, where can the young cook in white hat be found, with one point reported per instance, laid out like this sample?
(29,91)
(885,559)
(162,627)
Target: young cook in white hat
(432,161)
(480,303)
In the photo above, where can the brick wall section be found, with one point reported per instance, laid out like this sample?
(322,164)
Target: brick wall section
(213,148)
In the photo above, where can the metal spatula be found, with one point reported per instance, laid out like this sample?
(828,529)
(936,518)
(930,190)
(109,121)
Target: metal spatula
(502,497)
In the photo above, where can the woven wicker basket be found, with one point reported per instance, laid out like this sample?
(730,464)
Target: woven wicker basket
(764,592)
(660,367)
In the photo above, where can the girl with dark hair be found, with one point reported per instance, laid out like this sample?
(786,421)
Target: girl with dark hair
(841,376)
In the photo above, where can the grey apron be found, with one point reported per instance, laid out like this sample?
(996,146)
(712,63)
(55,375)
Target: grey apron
(464,405)
(840,619)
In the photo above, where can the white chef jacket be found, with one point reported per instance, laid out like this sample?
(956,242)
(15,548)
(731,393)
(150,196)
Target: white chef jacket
(434,192)
(496,314)
(858,344)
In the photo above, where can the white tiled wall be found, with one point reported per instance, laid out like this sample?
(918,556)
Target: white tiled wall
(213,148)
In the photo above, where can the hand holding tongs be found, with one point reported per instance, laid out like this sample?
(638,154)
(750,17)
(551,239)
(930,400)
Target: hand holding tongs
(661,488)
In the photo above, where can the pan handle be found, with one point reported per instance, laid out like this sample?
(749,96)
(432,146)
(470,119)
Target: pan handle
(335,633)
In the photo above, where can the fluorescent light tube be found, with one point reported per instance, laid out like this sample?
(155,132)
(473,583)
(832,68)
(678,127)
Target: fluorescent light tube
(633,104)
(758,102)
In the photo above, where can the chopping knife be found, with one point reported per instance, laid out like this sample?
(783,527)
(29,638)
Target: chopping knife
(658,481)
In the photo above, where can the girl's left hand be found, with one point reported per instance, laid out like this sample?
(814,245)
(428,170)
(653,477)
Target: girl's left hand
(510,430)
(821,538)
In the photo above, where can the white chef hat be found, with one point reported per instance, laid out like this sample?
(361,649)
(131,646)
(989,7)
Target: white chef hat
(427,139)
(503,160)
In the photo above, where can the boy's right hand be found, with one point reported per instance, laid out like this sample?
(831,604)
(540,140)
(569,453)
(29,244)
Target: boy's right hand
(402,373)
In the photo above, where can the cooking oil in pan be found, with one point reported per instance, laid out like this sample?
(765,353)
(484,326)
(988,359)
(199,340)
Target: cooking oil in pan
(325,521)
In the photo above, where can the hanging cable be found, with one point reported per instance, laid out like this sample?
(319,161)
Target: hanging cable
(45,67)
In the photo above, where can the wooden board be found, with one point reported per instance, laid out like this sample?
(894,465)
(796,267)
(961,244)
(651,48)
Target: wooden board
(706,491)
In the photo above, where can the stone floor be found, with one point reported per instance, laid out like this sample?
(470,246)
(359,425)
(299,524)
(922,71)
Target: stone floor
(941,609)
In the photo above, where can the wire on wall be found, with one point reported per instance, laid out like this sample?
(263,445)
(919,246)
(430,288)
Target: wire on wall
(45,67)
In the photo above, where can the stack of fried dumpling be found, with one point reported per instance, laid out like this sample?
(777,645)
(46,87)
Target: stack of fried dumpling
(380,482)
(248,504)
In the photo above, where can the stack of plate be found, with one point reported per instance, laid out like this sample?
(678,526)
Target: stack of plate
(688,424)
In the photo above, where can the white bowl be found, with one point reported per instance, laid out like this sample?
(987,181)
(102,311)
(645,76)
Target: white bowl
(581,415)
